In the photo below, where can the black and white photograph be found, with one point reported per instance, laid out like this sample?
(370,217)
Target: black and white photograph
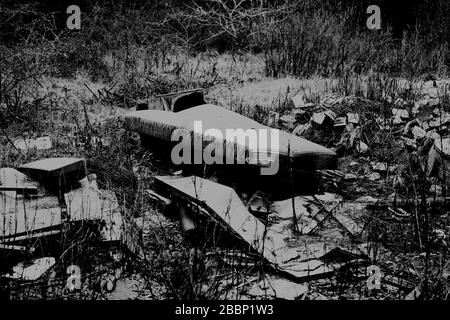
(243,152)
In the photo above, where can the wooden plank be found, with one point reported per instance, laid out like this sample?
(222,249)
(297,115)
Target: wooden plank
(224,204)
(14,180)
(26,217)
(23,216)
(20,190)
(12,247)
(34,235)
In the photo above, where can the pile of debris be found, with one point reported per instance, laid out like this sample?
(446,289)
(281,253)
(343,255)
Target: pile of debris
(353,125)
(303,238)
(44,201)
(298,240)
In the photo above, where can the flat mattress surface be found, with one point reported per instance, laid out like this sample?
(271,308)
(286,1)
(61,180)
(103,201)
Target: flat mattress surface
(161,124)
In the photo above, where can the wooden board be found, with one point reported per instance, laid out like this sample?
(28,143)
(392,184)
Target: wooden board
(13,180)
(22,216)
(225,206)
(56,172)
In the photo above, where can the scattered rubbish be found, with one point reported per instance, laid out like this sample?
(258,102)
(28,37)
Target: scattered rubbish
(403,114)
(353,118)
(298,101)
(419,105)
(301,129)
(301,116)
(274,118)
(374,176)
(410,142)
(361,147)
(330,101)
(385,123)
(33,271)
(330,114)
(271,240)
(340,122)
(33,211)
(319,118)
(433,102)
(288,121)
(221,202)
(299,237)
(25,218)
(436,189)
(383,167)
(418,133)
(278,288)
(324,118)
(439,121)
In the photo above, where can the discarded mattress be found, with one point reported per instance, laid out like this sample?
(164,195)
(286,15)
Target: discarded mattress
(162,124)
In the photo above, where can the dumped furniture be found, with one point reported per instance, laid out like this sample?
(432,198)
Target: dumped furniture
(47,198)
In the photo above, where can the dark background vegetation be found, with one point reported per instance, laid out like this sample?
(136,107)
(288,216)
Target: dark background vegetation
(317,37)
